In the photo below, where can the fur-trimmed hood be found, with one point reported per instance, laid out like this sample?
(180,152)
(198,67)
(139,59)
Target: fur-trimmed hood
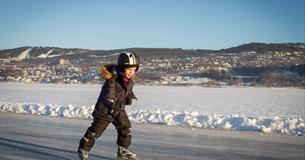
(110,71)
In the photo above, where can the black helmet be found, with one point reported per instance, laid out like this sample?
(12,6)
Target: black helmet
(128,59)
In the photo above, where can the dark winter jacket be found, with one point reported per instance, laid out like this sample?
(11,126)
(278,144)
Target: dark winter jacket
(114,94)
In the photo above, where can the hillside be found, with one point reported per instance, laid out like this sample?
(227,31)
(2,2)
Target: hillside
(50,52)
(248,64)
(264,48)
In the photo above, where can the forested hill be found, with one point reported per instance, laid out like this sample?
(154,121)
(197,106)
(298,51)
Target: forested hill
(50,52)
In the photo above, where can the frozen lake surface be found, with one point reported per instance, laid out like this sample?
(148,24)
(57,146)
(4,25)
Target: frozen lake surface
(33,137)
(266,102)
(255,109)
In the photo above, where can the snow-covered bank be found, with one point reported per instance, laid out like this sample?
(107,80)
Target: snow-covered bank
(270,110)
(171,118)
(251,102)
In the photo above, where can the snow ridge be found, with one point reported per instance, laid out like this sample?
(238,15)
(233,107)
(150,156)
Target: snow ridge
(284,125)
(45,55)
(24,55)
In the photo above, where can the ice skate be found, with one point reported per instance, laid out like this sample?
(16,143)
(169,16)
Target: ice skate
(82,154)
(126,154)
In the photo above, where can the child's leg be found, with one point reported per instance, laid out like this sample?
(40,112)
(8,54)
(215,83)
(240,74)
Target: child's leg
(123,126)
(93,132)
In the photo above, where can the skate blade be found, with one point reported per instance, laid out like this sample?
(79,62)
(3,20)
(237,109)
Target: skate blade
(126,158)
(81,158)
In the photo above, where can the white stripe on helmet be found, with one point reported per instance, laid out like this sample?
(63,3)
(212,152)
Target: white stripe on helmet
(132,58)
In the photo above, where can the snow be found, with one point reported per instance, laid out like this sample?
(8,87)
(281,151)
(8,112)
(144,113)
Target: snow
(192,119)
(55,55)
(246,109)
(45,55)
(24,55)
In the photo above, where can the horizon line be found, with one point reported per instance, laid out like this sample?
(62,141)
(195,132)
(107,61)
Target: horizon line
(154,47)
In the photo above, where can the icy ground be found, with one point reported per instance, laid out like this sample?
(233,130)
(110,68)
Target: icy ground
(32,137)
(250,109)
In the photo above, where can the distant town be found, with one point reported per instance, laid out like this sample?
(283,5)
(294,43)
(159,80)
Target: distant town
(254,64)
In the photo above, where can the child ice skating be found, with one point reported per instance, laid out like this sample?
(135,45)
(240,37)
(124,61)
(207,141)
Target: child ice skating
(110,106)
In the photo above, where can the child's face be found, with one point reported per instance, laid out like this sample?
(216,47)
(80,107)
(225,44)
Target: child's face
(129,72)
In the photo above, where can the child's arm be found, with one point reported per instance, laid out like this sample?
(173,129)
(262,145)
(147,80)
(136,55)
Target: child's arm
(130,96)
(108,94)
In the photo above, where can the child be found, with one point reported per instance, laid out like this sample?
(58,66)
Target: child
(110,107)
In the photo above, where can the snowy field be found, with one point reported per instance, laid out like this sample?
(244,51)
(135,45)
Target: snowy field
(270,110)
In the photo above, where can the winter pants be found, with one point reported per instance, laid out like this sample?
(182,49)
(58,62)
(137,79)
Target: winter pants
(122,125)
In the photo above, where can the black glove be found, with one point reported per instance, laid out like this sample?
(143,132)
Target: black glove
(128,101)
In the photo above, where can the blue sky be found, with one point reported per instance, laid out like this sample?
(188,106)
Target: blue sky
(114,24)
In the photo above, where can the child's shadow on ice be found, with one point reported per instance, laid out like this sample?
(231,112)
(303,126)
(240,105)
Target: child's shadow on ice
(35,149)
